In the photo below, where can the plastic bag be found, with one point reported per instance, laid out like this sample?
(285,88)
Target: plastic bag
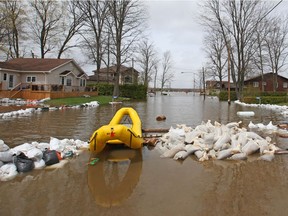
(50,157)
(23,163)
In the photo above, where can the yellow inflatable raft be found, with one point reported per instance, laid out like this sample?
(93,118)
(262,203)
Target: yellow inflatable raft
(117,133)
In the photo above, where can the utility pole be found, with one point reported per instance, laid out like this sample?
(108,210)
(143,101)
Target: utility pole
(204,88)
(229,67)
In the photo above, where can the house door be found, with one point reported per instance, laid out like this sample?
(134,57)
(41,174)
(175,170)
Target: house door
(11,81)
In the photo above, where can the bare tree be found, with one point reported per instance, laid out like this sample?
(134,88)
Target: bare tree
(147,60)
(166,75)
(217,54)
(70,25)
(237,21)
(125,27)
(45,24)
(14,21)
(277,46)
(96,15)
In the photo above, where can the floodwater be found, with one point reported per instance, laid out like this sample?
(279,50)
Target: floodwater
(139,182)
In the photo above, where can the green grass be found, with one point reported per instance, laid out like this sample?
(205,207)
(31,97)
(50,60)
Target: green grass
(78,100)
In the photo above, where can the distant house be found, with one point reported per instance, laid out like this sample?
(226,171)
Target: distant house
(128,75)
(214,85)
(33,78)
(256,83)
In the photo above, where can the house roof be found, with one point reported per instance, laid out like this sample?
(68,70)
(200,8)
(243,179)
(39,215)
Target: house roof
(34,64)
(112,69)
(265,74)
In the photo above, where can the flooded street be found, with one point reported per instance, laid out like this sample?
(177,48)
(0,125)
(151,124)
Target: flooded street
(139,182)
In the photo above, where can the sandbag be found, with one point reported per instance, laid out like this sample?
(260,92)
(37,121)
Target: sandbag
(181,155)
(39,164)
(225,138)
(50,157)
(8,172)
(250,147)
(23,163)
(171,152)
(3,146)
(35,154)
(6,156)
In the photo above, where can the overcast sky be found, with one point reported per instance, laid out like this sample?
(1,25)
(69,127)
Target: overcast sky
(174,27)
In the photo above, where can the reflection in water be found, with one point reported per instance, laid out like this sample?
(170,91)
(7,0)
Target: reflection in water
(113,178)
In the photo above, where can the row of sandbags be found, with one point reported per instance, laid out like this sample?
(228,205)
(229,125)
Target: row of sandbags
(35,155)
(30,111)
(214,141)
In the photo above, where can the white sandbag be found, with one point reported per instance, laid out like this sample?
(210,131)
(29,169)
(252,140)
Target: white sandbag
(3,146)
(191,148)
(181,155)
(225,138)
(179,131)
(224,154)
(6,156)
(212,154)
(40,164)
(209,139)
(233,124)
(202,128)
(250,147)
(1,163)
(35,154)
(8,172)
(217,132)
(204,157)
(242,138)
(238,156)
(43,146)
(171,152)
(199,154)
(22,148)
(253,135)
(234,140)
(263,145)
(267,157)
(55,144)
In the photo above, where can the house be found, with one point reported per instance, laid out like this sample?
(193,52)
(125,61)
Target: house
(214,85)
(256,83)
(33,78)
(128,75)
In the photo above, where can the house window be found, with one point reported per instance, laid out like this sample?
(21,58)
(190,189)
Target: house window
(68,82)
(62,80)
(127,79)
(30,79)
(285,84)
(255,84)
(5,76)
(82,82)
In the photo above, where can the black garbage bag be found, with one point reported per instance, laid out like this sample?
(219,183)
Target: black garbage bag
(50,157)
(23,163)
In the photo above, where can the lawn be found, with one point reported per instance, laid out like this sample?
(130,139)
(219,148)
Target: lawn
(78,100)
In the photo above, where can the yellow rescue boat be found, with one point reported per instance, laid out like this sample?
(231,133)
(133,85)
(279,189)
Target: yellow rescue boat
(117,133)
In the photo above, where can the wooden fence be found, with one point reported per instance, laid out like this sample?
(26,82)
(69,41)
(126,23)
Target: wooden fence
(37,92)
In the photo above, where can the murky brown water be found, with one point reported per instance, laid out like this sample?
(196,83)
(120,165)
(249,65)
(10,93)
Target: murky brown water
(142,183)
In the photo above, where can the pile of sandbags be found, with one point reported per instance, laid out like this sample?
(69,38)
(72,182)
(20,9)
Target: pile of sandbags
(35,155)
(214,141)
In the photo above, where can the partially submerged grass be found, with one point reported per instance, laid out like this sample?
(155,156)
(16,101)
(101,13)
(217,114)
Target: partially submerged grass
(78,100)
